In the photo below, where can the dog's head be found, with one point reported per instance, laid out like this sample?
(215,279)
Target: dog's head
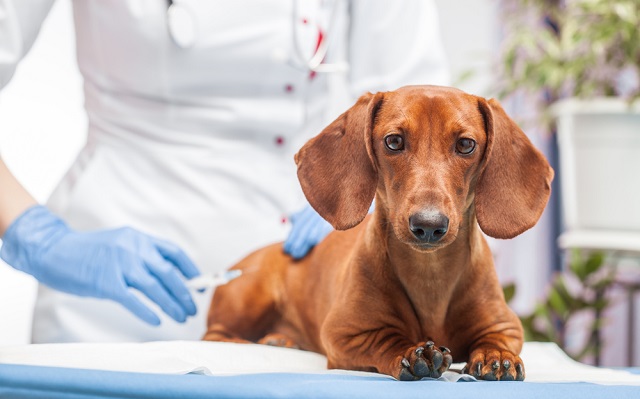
(433,155)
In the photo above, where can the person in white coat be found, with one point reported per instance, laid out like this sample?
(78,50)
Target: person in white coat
(195,110)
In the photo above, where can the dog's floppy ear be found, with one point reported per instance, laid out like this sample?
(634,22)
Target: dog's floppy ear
(336,168)
(515,185)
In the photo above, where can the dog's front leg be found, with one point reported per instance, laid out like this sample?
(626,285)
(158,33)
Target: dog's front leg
(493,336)
(383,350)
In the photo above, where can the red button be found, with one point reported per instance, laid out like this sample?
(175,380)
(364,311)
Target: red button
(288,88)
(305,21)
(283,220)
(312,75)
(279,140)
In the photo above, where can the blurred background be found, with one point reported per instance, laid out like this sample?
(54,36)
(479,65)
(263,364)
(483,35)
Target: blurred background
(572,278)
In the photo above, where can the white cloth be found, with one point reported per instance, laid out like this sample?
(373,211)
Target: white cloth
(544,362)
(196,145)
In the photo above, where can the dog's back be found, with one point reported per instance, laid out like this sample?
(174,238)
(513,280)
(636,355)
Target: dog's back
(280,301)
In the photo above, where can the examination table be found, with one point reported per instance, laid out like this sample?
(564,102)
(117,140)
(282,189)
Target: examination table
(185,369)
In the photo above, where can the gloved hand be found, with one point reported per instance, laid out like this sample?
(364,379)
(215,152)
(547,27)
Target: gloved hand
(308,228)
(101,264)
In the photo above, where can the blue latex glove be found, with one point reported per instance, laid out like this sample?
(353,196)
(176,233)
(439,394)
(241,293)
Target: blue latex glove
(308,228)
(101,264)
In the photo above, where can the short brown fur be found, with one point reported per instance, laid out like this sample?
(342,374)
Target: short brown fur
(373,296)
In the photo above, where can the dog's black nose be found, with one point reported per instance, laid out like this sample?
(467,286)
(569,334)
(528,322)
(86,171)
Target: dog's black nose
(429,226)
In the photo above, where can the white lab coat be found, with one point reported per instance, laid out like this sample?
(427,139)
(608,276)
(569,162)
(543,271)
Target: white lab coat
(196,145)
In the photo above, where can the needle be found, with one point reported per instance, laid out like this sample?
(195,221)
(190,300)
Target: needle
(212,280)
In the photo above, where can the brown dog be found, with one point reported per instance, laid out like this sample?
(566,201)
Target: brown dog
(440,162)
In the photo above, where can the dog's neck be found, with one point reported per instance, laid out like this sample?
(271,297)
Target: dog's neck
(426,277)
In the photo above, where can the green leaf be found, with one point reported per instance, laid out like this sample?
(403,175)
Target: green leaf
(557,303)
(594,262)
(572,303)
(592,33)
(601,304)
(576,265)
(509,291)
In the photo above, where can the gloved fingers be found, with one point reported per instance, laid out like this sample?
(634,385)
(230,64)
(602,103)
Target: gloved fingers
(302,213)
(298,237)
(147,284)
(174,254)
(293,240)
(167,275)
(317,231)
(135,306)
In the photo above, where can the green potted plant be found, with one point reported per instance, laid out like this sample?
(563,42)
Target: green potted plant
(578,294)
(582,59)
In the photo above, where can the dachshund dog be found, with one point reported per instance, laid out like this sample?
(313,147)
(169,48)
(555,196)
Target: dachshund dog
(378,293)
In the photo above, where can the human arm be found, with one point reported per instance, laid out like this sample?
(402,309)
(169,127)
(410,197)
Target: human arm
(102,264)
(14,199)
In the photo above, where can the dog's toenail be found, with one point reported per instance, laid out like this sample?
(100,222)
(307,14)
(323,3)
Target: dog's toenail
(479,369)
(506,364)
(430,344)
(405,363)
(419,350)
(444,349)
(437,360)
(495,365)
(519,372)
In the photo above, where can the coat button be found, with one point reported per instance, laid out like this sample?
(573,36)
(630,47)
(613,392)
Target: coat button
(279,140)
(288,88)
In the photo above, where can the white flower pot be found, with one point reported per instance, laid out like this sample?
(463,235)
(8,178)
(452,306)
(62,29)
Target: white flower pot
(599,151)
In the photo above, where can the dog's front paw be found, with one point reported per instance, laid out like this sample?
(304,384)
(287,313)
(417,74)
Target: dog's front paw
(423,360)
(493,364)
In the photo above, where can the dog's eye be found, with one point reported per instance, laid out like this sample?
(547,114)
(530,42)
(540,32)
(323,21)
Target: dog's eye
(465,146)
(394,142)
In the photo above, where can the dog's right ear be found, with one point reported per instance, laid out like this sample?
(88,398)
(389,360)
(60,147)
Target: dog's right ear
(336,168)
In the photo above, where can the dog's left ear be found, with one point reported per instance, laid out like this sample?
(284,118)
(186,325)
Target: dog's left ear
(514,187)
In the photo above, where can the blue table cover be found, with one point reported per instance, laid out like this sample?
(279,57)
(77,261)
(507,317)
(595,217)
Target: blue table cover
(19,381)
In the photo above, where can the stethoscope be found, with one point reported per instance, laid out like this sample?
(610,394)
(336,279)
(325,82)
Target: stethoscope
(183,29)
(315,63)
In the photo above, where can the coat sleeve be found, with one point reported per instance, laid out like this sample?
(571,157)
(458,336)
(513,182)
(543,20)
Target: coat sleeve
(395,43)
(20,22)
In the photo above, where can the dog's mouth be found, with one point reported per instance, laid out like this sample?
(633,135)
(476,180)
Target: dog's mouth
(422,246)
(426,246)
